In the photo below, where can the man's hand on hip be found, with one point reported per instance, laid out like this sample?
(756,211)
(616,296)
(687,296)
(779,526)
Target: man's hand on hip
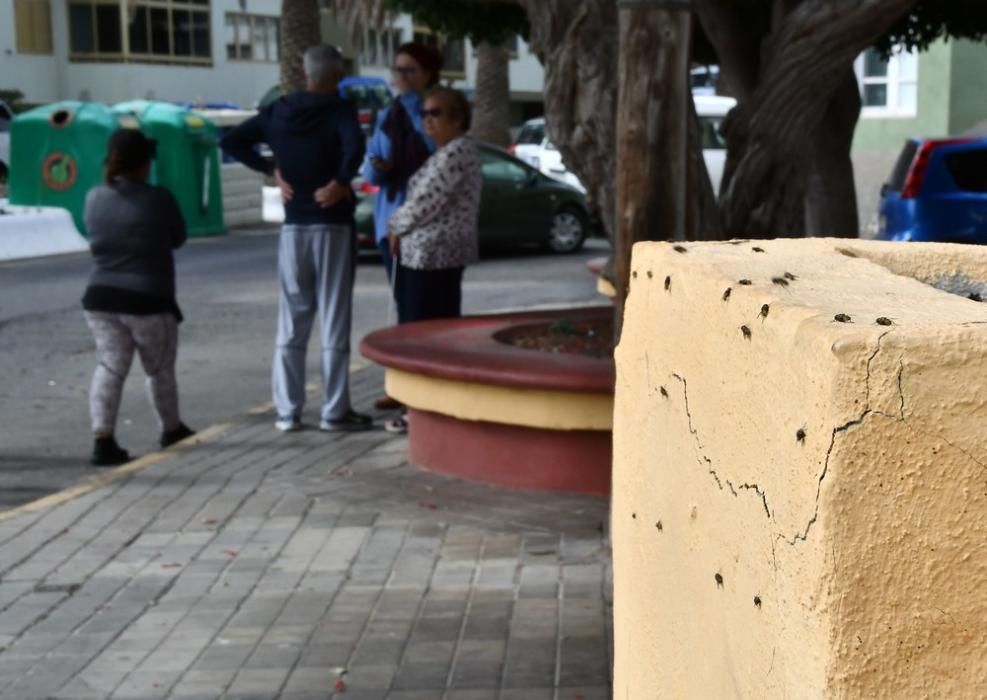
(331,194)
(287,193)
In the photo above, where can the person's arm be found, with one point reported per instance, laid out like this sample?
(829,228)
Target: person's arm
(353,145)
(378,151)
(440,182)
(172,221)
(240,142)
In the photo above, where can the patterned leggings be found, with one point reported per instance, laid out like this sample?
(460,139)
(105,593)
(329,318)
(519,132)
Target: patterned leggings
(155,338)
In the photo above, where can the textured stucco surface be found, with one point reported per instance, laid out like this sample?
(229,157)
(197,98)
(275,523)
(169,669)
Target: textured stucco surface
(801,513)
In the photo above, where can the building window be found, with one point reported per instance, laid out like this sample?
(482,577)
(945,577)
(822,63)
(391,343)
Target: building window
(453,52)
(33,26)
(252,37)
(888,86)
(153,31)
(379,47)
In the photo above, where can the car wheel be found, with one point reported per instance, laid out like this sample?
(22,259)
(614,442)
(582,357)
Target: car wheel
(567,231)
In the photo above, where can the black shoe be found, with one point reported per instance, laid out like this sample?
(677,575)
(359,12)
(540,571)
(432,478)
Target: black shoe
(170,437)
(350,422)
(107,453)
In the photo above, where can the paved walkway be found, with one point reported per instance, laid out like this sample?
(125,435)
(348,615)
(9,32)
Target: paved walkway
(259,565)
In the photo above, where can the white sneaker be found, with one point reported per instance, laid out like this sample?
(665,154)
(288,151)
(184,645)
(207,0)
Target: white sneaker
(288,424)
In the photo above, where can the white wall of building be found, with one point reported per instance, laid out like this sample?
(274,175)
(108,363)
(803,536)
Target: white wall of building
(46,78)
(35,76)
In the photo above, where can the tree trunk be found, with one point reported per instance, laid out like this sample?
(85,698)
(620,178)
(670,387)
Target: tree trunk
(772,136)
(576,42)
(492,99)
(652,134)
(300,29)
(831,197)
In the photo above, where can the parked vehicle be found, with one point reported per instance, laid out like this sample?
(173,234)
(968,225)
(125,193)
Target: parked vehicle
(368,94)
(533,146)
(6,117)
(937,191)
(519,206)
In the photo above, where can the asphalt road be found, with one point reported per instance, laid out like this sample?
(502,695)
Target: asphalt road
(228,291)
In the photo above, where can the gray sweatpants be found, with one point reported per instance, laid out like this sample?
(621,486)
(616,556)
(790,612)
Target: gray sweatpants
(315,267)
(155,338)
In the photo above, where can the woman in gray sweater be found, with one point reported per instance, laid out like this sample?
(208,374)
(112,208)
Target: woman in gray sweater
(130,301)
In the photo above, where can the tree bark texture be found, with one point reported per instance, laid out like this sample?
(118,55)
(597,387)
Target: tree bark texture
(787,90)
(577,45)
(831,196)
(652,134)
(300,29)
(491,100)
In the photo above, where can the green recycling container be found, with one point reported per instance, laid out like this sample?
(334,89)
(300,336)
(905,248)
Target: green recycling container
(57,154)
(187,162)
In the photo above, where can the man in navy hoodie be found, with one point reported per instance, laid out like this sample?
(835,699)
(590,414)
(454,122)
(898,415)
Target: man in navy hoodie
(318,148)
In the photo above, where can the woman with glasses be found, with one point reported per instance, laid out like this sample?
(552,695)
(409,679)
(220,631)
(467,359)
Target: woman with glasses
(434,234)
(130,300)
(399,145)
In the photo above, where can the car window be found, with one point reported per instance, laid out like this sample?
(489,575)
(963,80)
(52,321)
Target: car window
(712,136)
(531,134)
(549,146)
(969,169)
(900,171)
(496,168)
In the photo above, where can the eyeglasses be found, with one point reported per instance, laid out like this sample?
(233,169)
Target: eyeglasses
(435,113)
(404,71)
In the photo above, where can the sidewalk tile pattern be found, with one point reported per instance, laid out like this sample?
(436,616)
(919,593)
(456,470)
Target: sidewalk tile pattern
(305,566)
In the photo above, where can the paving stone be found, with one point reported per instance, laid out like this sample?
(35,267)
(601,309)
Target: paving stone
(249,566)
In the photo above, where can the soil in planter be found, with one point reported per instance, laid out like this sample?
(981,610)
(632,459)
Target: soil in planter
(590,338)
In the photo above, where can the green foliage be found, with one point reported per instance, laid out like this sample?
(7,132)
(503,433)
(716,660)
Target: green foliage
(930,20)
(493,21)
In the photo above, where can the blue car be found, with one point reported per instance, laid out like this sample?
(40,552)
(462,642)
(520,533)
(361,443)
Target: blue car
(937,192)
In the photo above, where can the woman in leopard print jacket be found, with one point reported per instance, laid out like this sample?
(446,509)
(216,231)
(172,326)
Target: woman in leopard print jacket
(434,233)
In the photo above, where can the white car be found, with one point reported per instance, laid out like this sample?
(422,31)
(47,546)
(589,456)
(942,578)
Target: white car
(533,146)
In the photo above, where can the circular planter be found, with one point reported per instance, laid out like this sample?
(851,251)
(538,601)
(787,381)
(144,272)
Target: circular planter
(484,410)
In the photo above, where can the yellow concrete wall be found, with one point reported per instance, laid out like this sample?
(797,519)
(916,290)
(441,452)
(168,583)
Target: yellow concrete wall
(801,513)
(533,408)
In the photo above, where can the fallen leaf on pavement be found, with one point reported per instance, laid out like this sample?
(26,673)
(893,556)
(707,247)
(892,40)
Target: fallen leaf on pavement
(427,505)
(209,521)
(340,686)
(172,565)
(231,552)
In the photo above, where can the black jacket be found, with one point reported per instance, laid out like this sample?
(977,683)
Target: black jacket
(315,139)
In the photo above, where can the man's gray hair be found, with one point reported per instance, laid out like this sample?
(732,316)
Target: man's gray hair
(322,64)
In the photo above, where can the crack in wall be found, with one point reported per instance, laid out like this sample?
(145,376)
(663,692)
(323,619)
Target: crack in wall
(901,392)
(804,534)
(832,444)
(702,458)
(870,360)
